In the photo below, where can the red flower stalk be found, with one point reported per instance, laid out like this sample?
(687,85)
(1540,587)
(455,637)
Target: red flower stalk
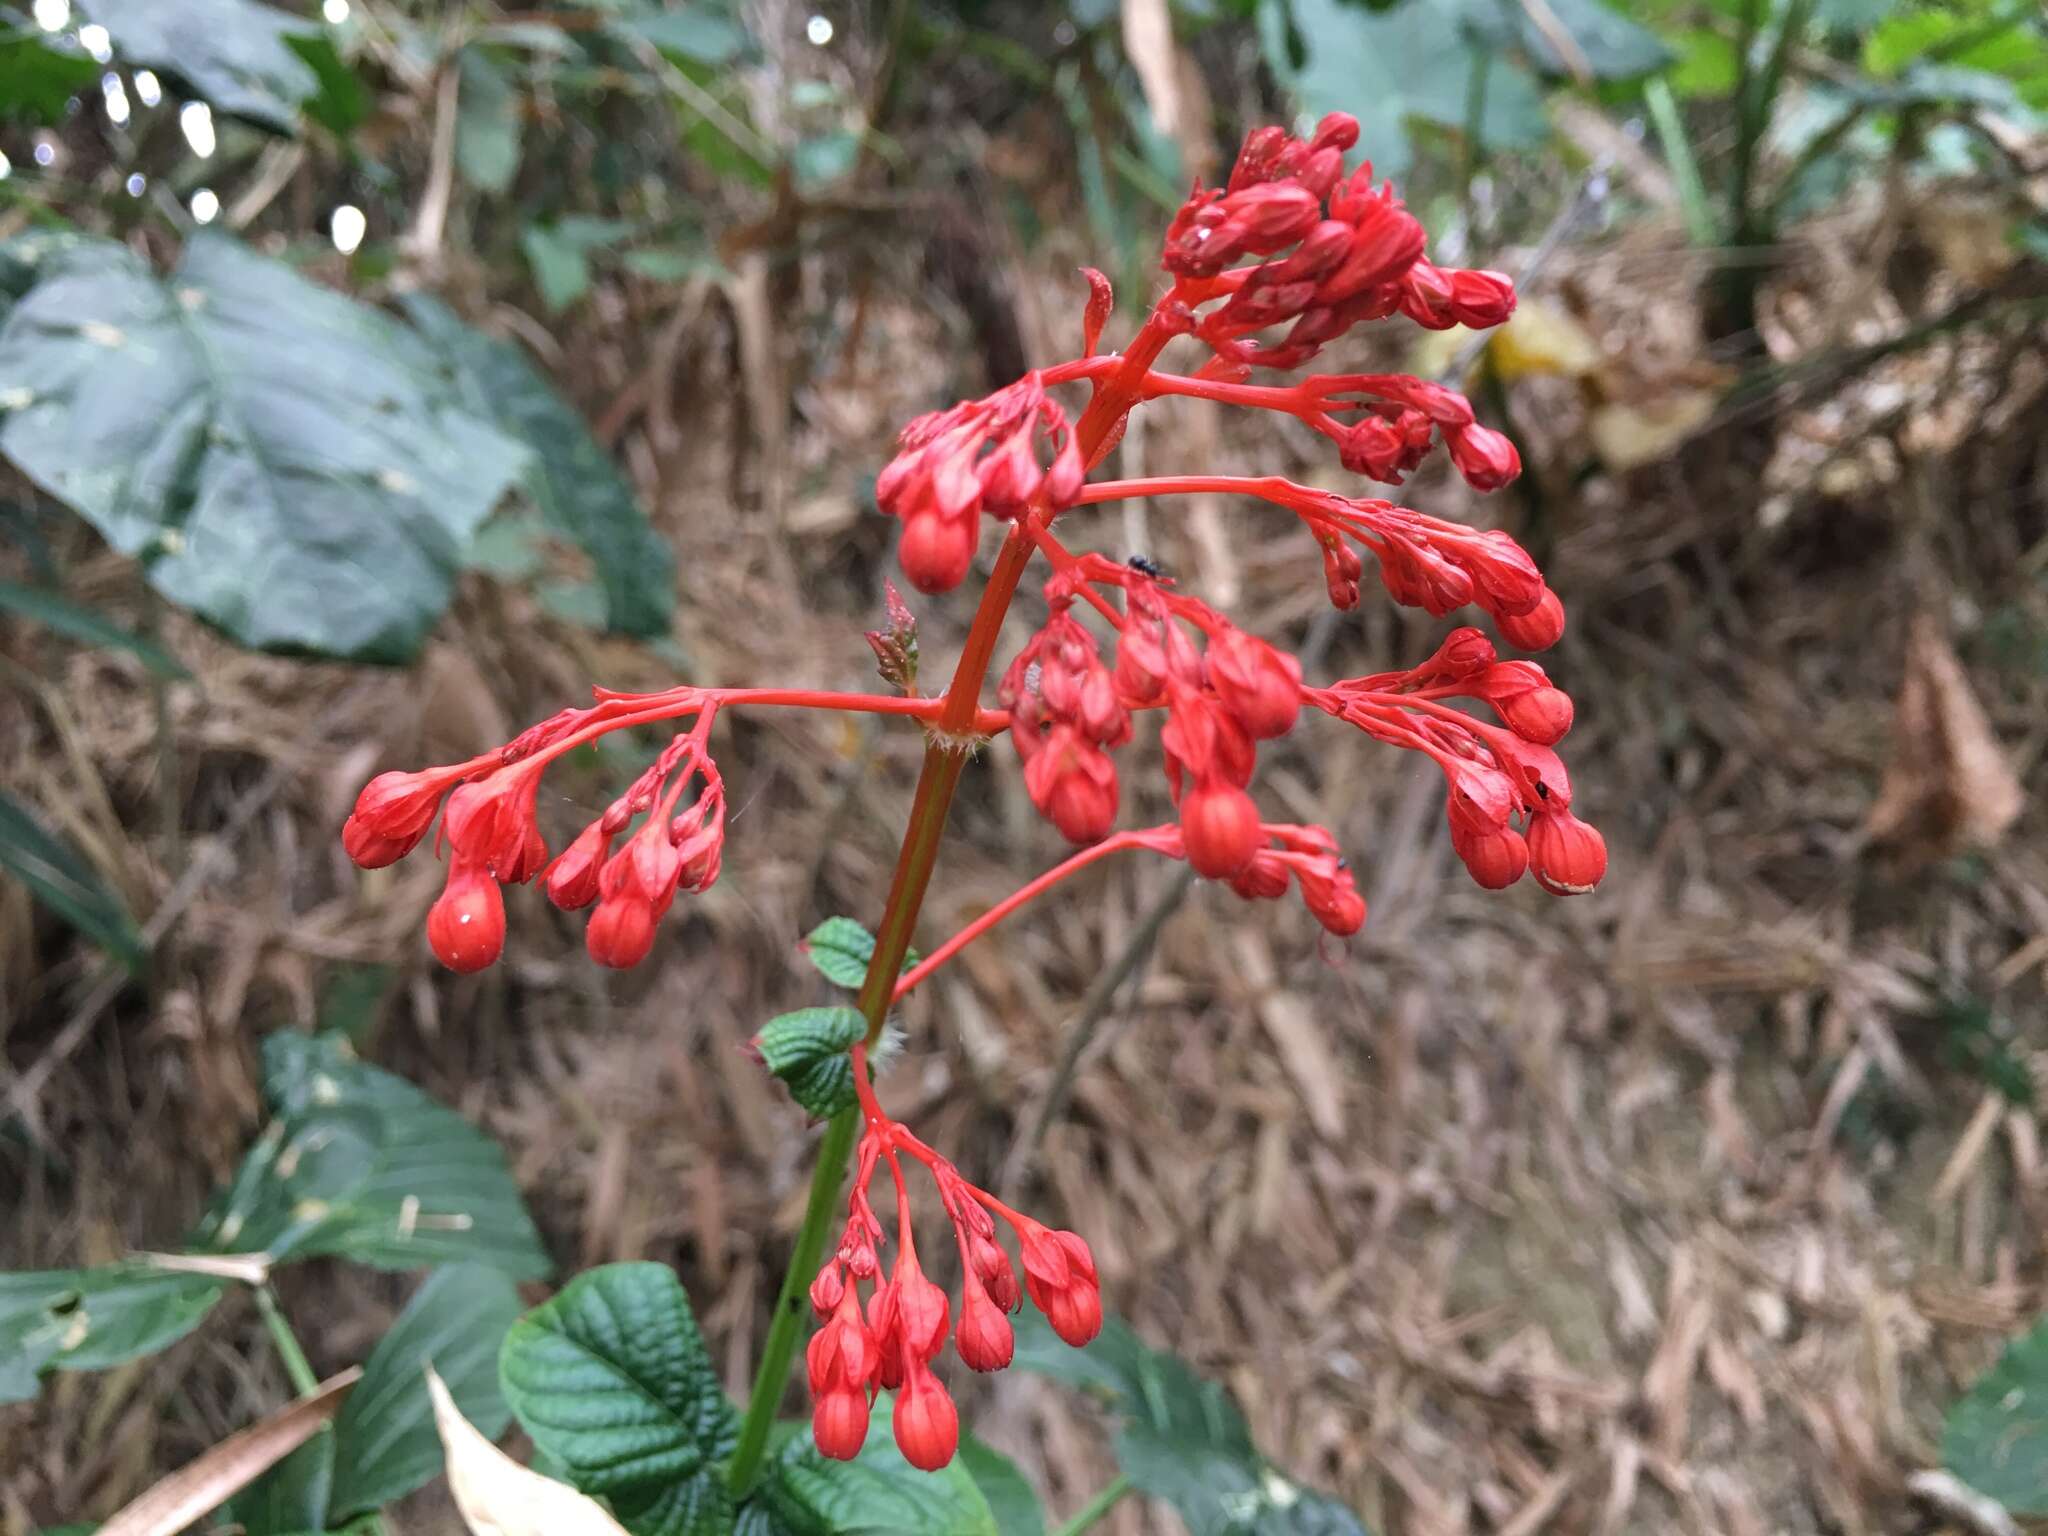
(1286,257)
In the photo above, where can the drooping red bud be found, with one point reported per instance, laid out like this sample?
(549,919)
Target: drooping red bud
(984,1338)
(1481,299)
(1542,715)
(1486,458)
(1074,785)
(839,1423)
(1538,629)
(1059,1272)
(1220,826)
(621,932)
(1101,299)
(1263,879)
(573,877)
(466,925)
(936,551)
(1494,856)
(927,1424)
(1258,683)
(1568,855)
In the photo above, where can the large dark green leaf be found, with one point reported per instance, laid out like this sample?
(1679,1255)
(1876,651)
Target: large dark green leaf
(89,1319)
(385,1441)
(1181,1438)
(37,78)
(237,54)
(362,1164)
(54,611)
(802,1493)
(612,1381)
(1996,1437)
(288,463)
(1414,61)
(61,879)
(1011,1499)
(579,490)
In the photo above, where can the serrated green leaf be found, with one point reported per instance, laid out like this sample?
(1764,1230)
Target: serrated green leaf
(581,493)
(808,1049)
(38,79)
(385,1441)
(1011,1499)
(54,611)
(286,462)
(235,54)
(361,1164)
(1180,1437)
(90,1319)
(1996,1437)
(487,123)
(59,877)
(803,1493)
(612,1381)
(841,948)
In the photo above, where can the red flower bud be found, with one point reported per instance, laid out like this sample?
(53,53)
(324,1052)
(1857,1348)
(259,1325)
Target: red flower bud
(1220,826)
(828,1289)
(393,813)
(1101,299)
(1568,856)
(984,1337)
(839,1424)
(1495,857)
(573,877)
(1481,299)
(1538,629)
(621,932)
(1542,715)
(992,1267)
(927,1424)
(1486,458)
(1263,879)
(491,823)
(937,551)
(1073,783)
(466,925)
(1258,683)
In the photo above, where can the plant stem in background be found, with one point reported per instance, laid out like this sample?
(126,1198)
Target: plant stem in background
(1097,1507)
(296,1365)
(944,759)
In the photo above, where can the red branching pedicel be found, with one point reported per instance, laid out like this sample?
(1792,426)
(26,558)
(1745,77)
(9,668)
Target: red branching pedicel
(1292,250)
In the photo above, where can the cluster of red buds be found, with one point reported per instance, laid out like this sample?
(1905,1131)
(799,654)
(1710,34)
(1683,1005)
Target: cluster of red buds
(491,831)
(891,1343)
(1291,241)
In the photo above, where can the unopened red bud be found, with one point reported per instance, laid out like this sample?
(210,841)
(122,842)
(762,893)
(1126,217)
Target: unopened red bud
(936,551)
(984,1338)
(828,1289)
(1258,683)
(370,849)
(1341,911)
(1538,629)
(466,925)
(621,932)
(1264,879)
(1220,826)
(1074,785)
(1568,855)
(1542,715)
(1101,300)
(992,1266)
(1483,456)
(1495,857)
(839,1424)
(1465,651)
(1335,130)
(392,814)
(1481,299)
(927,1424)
(1426,296)
(573,878)
(1059,1272)
(1386,242)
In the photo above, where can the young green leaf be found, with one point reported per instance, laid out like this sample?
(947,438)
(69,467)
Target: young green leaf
(361,1164)
(72,620)
(841,948)
(612,1381)
(803,1493)
(487,123)
(1180,1438)
(60,878)
(1996,1437)
(580,492)
(289,464)
(385,1441)
(90,1319)
(807,1050)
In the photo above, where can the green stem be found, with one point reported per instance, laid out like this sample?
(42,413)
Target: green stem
(296,1365)
(1097,1507)
(945,756)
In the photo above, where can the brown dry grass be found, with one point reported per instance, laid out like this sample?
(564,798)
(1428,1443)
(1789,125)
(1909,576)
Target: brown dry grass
(1652,1211)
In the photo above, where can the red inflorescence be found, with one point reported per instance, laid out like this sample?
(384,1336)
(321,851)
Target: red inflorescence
(892,1342)
(1291,244)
